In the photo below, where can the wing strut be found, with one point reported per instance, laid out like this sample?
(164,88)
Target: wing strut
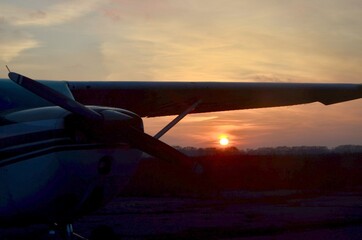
(177,119)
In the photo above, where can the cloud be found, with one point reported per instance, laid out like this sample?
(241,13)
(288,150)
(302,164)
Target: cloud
(11,49)
(16,36)
(311,124)
(233,40)
(13,42)
(62,12)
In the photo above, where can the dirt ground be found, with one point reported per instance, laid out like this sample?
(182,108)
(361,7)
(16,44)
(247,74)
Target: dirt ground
(280,214)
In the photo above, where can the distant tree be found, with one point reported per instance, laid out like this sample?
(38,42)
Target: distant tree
(348,149)
(270,151)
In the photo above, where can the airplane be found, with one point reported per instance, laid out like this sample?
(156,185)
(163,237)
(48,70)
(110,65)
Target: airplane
(69,147)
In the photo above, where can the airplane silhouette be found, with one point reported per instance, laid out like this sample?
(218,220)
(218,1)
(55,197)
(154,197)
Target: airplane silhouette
(68,147)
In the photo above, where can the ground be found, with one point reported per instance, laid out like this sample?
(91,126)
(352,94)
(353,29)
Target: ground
(279,214)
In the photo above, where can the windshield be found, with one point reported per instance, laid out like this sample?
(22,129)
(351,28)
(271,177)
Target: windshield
(13,97)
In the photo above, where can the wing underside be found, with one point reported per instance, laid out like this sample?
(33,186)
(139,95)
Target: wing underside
(151,99)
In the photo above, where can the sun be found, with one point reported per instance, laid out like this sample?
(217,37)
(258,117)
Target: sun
(224,141)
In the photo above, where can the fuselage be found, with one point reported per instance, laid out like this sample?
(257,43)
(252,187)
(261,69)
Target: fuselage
(51,174)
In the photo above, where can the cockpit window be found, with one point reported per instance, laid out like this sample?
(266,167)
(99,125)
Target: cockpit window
(14,98)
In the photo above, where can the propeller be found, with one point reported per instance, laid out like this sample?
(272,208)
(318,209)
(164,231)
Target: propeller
(135,137)
(55,97)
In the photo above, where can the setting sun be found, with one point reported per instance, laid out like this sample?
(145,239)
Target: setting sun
(224,140)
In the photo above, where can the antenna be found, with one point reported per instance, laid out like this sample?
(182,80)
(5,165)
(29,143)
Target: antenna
(7,68)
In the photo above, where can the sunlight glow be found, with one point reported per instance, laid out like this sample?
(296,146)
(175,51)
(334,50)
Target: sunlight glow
(224,140)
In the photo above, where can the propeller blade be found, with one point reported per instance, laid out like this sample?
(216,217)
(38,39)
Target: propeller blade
(54,97)
(159,149)
(152,146)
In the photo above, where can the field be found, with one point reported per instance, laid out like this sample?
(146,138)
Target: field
(237,197)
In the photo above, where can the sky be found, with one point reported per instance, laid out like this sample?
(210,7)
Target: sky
(200,40)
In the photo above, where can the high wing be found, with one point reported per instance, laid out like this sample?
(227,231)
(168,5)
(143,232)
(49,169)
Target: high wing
(151,99)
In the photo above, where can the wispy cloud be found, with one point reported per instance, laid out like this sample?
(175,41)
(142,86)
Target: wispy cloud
(13,42)
(16,37)
(232,40)
(11,49)
(312,124)
(49,15)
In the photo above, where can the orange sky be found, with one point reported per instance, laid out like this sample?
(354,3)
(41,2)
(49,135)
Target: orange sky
(199,40)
